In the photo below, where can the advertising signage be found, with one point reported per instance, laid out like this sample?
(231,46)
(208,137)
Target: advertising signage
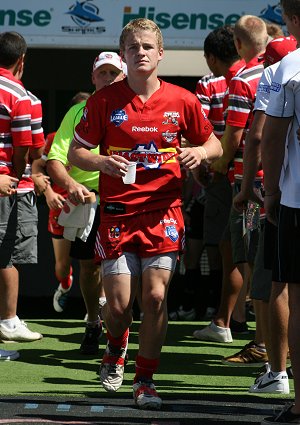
(94,23)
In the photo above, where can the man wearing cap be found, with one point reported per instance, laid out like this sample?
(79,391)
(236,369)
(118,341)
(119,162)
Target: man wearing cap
(272,321)
(107,68)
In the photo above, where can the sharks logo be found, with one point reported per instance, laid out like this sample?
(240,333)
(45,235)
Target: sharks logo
(272,14)
(83,15)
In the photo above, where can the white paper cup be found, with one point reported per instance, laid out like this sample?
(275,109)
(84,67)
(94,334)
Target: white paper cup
(129,177)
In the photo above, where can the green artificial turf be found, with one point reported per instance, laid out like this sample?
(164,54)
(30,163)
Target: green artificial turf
(55,367)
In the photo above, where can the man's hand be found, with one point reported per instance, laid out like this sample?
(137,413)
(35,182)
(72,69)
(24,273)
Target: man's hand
(240,200)
(41,182)
(54,200)
(7,185)
(114,165)
(220,166)
(191,157)
(77,192)
(271,203)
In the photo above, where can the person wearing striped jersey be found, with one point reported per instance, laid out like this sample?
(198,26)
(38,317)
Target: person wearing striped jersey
(18,215)
(250,37)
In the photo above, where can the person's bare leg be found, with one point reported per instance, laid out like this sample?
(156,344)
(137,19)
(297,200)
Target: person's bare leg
(231,286)
(278,328)
(294,339)
(239,311)
(9,289)
(63,260)
(89,279)
(153,328)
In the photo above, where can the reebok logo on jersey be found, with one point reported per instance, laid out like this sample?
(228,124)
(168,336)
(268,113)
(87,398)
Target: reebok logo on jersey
(118,116)
(144,129)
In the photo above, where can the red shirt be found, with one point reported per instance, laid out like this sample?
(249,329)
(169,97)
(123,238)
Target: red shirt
(116,119)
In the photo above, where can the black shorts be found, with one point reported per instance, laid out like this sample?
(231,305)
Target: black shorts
(195,229)
(86,250)
(287,265)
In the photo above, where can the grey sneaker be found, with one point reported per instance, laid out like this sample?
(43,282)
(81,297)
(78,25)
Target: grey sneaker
(9,355)
(19,333)
(214,333)
(112,367)
(60,298)
(145,395)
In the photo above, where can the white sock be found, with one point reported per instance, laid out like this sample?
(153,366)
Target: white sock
(11,323)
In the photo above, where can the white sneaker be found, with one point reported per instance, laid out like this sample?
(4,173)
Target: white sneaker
(60,298)
(145,395)
(182,314)
(270,383)
(214,333)
(9,355)
(19,333)
(112,367)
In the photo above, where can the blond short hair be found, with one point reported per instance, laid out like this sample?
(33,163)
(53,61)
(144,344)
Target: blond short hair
(252,31)
(141,24)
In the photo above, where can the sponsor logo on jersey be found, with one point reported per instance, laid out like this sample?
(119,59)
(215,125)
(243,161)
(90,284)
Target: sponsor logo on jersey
(171,117)
(118,116)
(275,86)
(169,137)
(114,232)
(263,88)
(172,233)
(144,129)
(147,155)
(84,113)
(168,221)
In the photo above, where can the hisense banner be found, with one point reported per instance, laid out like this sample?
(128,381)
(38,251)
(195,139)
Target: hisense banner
(94,23)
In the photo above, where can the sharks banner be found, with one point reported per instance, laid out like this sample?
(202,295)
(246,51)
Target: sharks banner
(98,23)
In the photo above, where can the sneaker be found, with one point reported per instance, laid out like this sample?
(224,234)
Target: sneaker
(214,333)
(284,417)
(209,313)
(9,355)
(182,314)
(248,356)
(19,333)
(112,367)
(240,328)
(91,339)
(145,395)
(270,383)
(60,298)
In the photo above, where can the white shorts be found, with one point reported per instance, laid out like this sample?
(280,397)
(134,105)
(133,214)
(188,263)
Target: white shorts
(131,263)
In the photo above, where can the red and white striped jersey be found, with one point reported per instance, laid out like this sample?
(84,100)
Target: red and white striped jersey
(15,119)
(239,113)
(38,140)
(210,90)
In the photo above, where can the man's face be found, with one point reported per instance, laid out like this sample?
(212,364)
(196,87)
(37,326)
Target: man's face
(105,75)
(141,52)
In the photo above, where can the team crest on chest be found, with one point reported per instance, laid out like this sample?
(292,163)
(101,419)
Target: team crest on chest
(169,137)
(172,233)
(118,116)
(170,117)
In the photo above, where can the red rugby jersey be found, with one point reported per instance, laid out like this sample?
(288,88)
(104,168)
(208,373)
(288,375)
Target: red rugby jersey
(15,119)
(116,119)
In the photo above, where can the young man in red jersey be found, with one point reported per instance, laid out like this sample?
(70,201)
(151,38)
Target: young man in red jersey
(141,120)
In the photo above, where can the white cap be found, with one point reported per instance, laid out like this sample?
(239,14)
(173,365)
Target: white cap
(111,58)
